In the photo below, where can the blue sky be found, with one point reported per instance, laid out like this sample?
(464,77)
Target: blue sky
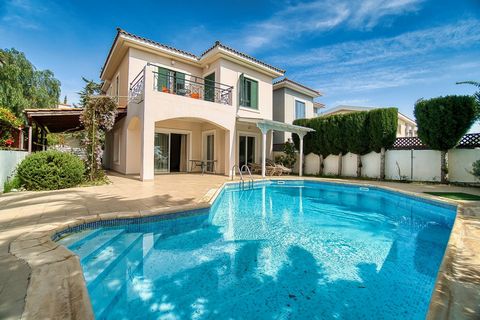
(368,53)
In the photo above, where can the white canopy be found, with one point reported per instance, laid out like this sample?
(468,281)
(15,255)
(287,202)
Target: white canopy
(265,125)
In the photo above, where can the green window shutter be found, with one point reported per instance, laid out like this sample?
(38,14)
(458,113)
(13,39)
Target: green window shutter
(254,94)
(162,78)
(241,90)
(179,81)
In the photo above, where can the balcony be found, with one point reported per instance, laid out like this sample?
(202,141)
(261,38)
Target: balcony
(192,86)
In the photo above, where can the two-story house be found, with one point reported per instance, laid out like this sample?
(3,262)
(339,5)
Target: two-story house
(406,126)
(187,112)
(292,100)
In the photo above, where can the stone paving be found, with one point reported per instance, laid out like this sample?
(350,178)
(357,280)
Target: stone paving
(51,285)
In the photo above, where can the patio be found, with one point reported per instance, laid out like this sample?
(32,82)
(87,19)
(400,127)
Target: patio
(21,213)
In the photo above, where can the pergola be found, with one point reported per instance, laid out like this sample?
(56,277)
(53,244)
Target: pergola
(44,121)
(265,125)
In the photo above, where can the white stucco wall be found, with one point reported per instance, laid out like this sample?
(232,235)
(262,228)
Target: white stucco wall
(349,165)
(460,164)
(8,163)
(312,164)
(371,165)
(330,165)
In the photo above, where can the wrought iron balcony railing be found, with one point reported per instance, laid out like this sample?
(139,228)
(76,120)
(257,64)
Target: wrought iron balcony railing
(193,87)
(136,88)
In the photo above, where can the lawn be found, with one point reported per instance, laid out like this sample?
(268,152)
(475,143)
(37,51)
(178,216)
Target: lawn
(456,196)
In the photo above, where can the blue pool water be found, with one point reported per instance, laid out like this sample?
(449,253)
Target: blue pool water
(297,250)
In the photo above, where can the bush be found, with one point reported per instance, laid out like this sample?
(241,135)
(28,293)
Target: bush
(476,169)
(11,184)
(443,121)
(50,170)
(290,157)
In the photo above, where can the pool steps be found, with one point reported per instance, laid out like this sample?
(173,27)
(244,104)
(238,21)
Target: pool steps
(96,244)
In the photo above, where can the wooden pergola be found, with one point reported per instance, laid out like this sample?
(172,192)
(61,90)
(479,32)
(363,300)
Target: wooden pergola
(44,121)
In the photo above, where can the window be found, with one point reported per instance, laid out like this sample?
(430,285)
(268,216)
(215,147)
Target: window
(248,92)
(170,80)
(299,109)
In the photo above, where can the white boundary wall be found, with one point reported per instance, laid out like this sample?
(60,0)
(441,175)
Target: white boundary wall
(8,163)
(460,164)
(398,165)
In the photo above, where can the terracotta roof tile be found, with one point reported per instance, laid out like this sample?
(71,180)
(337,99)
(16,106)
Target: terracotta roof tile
(296,83)
(189,54)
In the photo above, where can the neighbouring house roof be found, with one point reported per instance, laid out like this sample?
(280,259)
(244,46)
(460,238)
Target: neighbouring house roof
(318,105)
(295,86)
(276,125)
(217,48)
(62,119)
(359,108)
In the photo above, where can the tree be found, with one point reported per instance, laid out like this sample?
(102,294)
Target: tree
(90,89)
(22,86)
(98,117)
(335,139)
(382,131)
(443,121)
(357,136)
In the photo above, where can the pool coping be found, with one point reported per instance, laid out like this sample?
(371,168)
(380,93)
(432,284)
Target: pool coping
(65,295)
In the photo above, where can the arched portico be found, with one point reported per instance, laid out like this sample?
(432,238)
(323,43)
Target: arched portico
(186,144)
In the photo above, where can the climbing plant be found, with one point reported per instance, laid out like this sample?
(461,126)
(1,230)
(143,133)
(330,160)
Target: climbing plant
(98,117)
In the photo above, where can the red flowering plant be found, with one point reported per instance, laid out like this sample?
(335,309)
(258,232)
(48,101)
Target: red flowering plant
(9,123)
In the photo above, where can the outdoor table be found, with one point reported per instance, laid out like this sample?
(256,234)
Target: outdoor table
(203,164)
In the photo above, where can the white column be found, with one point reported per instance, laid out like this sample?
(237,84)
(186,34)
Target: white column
(147,134)
(264,152)
(300,164)
(30,139)
(147,150)
(264,131)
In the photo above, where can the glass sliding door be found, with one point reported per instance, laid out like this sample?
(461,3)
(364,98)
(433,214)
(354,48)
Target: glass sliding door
(210,151)
(161,152)
(246,152)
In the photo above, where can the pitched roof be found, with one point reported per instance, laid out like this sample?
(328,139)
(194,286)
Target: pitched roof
(244,55)
(286,81)
(187,54)
(121,31)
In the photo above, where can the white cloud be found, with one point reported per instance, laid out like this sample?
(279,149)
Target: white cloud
(419,42)
(24,14)
(310,17)
(412,57)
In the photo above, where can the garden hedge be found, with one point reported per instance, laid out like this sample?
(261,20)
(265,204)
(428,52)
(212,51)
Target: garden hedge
(50,170)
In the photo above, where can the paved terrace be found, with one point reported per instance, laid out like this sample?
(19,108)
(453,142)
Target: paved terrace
(28,218)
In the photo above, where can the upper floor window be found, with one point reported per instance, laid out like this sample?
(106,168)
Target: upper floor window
(248,91)
(169,80)
(299,109)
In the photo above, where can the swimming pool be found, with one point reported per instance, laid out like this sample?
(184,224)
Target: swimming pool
(282,250)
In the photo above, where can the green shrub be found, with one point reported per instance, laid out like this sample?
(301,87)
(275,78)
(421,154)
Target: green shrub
(50,170)
(476,169)
(10,184)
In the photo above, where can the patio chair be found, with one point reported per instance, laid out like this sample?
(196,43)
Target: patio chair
(255,168)
(283,169)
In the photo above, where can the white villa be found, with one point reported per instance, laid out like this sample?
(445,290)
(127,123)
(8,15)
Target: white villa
(187,113)
(406,126)
(291,101)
